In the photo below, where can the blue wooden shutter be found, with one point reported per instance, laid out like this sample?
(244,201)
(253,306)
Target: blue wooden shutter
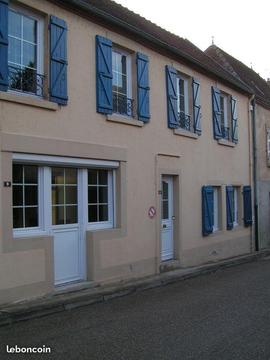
(143,88)
(216,113)
(3,45)
(171,83)
(229,207)
(58,61)
(104,75)
(234,120)
(196,106)
(207,210)
(247,205)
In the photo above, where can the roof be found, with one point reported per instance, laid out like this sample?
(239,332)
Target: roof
(144,30)
(259,86)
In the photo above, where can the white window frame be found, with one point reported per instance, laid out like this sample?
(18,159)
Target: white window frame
(120,51)
(111,206)
(44,164)
(216,208)
(40,40)
(186,93)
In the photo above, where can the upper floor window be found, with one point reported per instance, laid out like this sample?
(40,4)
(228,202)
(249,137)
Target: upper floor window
(183,99)
(225,121)
(182,87)
(25,52)
(122,90)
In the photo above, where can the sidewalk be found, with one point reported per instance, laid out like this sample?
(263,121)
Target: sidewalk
(87,295)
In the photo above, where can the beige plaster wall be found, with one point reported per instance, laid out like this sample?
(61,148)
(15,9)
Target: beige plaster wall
(195,162)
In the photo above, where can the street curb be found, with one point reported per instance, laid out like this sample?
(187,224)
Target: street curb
(39,307)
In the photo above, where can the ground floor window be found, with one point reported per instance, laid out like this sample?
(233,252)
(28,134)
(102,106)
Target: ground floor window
(45,196)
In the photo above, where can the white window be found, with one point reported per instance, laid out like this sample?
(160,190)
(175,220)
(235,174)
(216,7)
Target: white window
(224,116)
(100,198)
(25,51)
(25,192)
(216,209)
(122,88)
(183,102)
(235,206)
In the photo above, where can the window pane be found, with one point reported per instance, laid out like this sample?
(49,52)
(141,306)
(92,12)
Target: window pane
(29,55)
(124,64)
(165,189)
(103,194)
(29,29)
(103,177)
(17,218)
(71,194)
(14,24)
(57,195)
(181,86)
(17,174)
(71,215)
(71,176)
(92,177)
(103,213)
(92,213)
(58,215)
(30,174)
(14,51)
(57,175)
(17,195)
(31,195)
(165,209)
(92,194)
(31,217)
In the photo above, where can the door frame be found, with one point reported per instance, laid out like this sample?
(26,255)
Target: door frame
(169,179)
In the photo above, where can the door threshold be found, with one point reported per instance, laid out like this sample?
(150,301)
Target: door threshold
(74,287)
(169,265)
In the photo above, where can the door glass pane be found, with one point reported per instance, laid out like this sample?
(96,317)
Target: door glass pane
(31,174)
(31,195)
(64,196)
(92,177)
(103,194)
(17,172)
(17,195)
(71,215)
(92,195)
(92,213)
(165,189)
(71,195)
(103,213)
(165,209)
(58,217)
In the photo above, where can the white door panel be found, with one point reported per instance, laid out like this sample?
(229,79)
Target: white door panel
(167,243)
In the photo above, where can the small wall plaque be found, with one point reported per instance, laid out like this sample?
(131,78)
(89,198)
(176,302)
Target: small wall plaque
(7,183)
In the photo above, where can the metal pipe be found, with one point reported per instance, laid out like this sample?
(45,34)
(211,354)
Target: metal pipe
(254,148)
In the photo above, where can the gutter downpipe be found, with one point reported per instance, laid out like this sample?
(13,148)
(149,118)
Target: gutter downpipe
(254,148)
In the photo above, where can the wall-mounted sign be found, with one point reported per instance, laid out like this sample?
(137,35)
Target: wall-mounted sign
(152,212)
(7,183)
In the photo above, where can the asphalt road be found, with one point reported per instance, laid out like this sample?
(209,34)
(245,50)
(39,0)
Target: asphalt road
(225,315)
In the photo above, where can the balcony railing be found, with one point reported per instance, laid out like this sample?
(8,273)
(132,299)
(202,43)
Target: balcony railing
(184,121)
(225,132)
(26,80)
(122,105)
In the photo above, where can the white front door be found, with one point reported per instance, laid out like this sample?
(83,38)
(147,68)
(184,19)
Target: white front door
(66,227)
(167,244)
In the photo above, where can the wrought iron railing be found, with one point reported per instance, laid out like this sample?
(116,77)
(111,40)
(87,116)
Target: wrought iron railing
(184,121)
(122,105)
(26,80)
(225,132)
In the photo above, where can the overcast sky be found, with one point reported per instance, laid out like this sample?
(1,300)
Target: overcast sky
(239,27)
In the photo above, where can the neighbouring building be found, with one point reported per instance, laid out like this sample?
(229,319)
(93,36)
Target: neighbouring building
(260,114)
(124,149)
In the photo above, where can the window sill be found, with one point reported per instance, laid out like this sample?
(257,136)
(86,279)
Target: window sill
(121,119)
(28,101)
(186,133)
(225,142)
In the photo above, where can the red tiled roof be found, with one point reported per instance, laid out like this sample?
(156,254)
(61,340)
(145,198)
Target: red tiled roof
(143,29)
(259,86)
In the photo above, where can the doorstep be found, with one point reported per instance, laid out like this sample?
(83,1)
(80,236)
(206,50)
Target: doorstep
(71,297)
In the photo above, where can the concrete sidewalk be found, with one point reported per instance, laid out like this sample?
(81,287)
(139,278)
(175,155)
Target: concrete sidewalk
(86,294)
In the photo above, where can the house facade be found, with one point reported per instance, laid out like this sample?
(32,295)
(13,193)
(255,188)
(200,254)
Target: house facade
(260,117)
(123,149)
